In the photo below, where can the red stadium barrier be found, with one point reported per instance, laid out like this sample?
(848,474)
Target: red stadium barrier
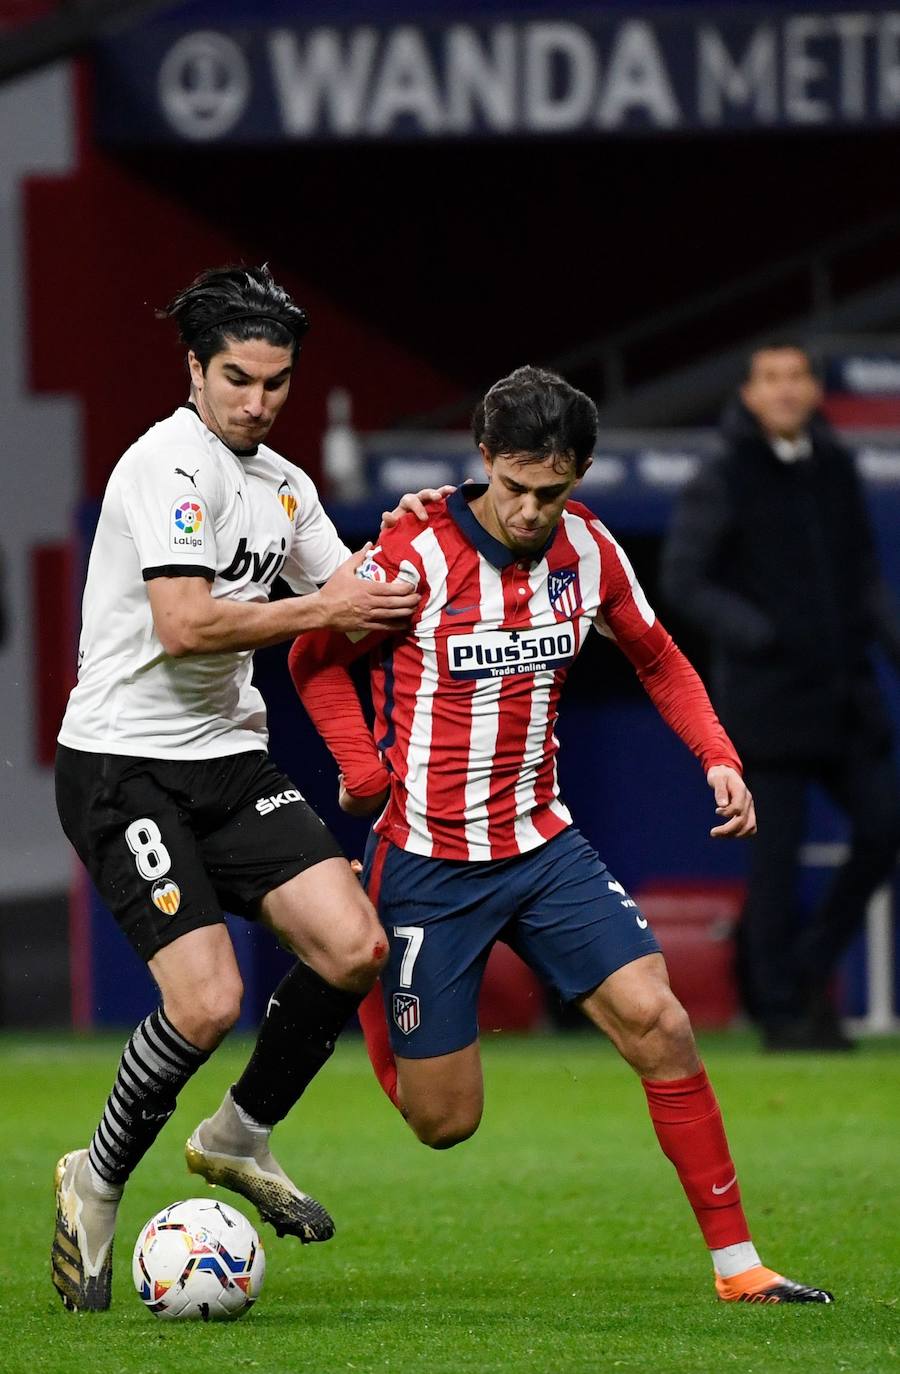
(695,922)
(512,998)
(862,412)
(53,658)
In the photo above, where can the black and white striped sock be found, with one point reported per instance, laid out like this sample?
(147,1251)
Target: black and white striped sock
(155,1065)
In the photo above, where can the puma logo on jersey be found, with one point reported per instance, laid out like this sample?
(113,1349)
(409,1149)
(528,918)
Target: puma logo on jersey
(264,568)
(266,805)
(180,472)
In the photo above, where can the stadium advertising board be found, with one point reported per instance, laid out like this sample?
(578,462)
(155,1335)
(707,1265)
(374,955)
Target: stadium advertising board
(633,480)
(596,70)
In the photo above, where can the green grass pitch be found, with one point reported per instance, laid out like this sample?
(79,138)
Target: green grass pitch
(556,1240)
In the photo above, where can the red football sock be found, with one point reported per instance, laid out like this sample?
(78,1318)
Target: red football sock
(375,1029)
(688,1124)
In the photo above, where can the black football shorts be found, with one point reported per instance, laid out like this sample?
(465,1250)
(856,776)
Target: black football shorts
(172,845)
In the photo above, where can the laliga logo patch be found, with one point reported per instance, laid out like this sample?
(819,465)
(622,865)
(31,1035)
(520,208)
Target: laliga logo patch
(187,535)
(166,896)
(188,517)
(288,500)
(406,1011)
(371,571)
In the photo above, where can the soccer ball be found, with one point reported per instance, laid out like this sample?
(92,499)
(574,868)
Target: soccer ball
(198,1259)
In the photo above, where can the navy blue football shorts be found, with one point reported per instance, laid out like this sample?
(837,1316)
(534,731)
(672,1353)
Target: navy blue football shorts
(558,907)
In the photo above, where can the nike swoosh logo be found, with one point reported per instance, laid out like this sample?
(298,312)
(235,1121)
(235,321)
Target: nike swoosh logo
(461,610)
(642,922)
(730,1184)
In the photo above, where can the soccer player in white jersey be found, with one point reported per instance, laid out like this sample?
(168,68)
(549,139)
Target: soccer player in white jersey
(473,842)
(164,784)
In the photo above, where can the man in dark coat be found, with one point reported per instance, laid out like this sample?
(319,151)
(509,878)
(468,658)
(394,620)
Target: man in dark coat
(770,556)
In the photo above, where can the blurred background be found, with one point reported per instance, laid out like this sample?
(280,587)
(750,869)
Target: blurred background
(631,193)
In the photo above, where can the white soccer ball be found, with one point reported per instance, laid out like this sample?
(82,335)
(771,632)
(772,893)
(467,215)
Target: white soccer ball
(198,1259)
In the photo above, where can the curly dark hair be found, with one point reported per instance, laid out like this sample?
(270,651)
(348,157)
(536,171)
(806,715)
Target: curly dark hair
(536,413)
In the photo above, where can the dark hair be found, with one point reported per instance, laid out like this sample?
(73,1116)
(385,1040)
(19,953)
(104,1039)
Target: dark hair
(776,345)
(238,302)
(535,412)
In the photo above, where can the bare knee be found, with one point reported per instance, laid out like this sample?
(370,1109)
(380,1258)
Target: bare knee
(206,1017)
(324,916)
(367,957)
(647,1024)
(361,956)
(442,1097)
(443,1130)
(657,1039)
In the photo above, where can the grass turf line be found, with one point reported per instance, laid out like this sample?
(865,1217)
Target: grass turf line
(556,1239)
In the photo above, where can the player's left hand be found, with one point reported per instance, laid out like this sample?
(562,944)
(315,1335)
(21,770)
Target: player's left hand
(733,801)
(361,806)
(416,502)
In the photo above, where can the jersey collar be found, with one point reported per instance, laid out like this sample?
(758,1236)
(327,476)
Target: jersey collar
(496,553)
(238,452)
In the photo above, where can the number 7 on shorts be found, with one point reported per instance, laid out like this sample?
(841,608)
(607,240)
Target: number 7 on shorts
(413,935)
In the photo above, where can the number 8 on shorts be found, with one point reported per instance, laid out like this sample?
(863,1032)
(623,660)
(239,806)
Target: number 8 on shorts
(150,854)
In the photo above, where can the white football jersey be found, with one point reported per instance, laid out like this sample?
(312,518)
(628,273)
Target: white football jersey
(180,503)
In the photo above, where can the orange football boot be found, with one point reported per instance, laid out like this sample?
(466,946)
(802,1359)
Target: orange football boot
(759,1284)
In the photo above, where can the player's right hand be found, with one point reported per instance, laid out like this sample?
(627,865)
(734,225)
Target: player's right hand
(350,603)
(415,501)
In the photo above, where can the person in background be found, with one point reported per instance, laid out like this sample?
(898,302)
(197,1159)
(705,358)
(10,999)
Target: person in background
(770,556)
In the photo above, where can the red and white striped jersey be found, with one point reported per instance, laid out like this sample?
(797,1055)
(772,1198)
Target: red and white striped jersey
(466,698)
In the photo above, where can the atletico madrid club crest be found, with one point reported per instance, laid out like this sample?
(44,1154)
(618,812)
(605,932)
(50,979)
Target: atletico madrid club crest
(166,896)
(565,593)
(406,1011)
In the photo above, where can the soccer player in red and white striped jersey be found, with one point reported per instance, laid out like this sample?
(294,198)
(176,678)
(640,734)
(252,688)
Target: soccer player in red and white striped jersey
(473,841)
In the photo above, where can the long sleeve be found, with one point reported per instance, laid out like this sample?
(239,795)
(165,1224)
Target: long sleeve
(677,692)
(672,684)
(319,666)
